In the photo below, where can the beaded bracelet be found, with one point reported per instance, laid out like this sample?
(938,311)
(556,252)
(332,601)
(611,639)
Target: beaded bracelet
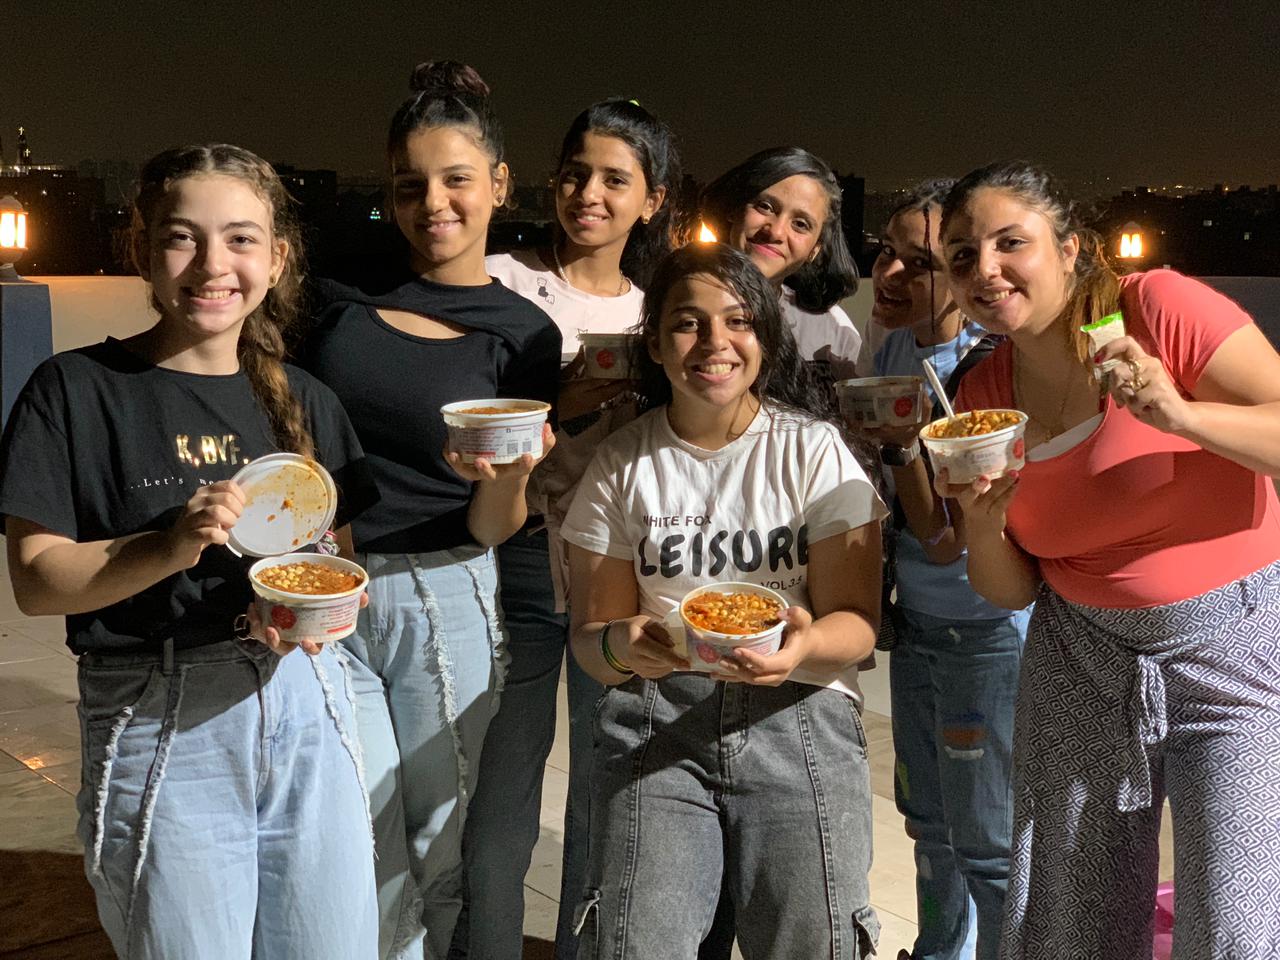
(609,658)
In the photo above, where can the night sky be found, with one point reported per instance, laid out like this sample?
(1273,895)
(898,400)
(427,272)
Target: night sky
(1138,92)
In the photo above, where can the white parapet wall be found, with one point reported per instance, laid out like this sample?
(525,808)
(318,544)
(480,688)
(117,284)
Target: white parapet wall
(89,309)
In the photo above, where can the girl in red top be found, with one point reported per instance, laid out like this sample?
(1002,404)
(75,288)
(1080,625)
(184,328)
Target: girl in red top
(1145,526)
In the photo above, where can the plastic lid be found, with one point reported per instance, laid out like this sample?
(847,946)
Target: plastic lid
(290,503)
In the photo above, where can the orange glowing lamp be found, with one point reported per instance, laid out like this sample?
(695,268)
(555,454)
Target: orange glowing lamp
(706,234)
(1131,247)
(13,230)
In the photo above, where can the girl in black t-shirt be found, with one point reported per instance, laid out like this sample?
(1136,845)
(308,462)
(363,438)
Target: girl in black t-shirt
(430,649)
(221,805)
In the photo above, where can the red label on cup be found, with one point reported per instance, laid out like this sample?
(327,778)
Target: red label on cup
(707,653)
(282,618)
(605,358)
(903,406)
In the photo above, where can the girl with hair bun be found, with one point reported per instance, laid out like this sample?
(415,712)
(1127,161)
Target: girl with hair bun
(1145,526)
(116,490)
(782,207)
(617,173)
(430,651)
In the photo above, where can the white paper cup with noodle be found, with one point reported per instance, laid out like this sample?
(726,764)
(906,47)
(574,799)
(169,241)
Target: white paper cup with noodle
(499,430)
(883,401)
(720,605)
(981,443)
(308,596)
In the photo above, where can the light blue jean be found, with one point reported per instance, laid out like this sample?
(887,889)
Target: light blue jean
(221,805)
(504,819)
(953,684)
(429,662)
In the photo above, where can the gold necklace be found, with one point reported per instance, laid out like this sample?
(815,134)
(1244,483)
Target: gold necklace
(1020,397)
(622,277)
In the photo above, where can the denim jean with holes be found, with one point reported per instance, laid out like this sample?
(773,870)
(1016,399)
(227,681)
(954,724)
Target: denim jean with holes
(221,805)
(695,780)
(429,660)
(953,684)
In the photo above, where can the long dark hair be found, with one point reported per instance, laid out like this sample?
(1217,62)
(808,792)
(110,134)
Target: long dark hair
(926,197)
(654,147)
(446,93)
(832,275)
(261,347)
(1095,290)
(784,380)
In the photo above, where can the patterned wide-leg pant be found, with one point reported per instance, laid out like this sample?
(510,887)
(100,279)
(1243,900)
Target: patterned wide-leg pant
(1116,708)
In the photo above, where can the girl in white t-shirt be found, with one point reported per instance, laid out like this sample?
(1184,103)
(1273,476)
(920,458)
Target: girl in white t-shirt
(617,165)
(782,207)
(756,773)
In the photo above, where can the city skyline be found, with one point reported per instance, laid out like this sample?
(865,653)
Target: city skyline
(888,93)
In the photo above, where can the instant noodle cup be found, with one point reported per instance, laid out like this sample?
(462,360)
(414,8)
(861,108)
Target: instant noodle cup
(499,430)
(608,355)
(722,617)
(883,401)
(308,596)
(980,443)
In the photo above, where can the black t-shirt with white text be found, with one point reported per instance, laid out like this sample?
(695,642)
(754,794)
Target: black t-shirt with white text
(393,385)
(102,444)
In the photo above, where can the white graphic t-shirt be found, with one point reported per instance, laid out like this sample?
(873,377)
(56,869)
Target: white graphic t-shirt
(686,517)
(571,309)
(828,337)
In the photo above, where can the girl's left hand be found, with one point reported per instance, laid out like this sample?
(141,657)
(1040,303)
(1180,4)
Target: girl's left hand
(1141,384)
(747,666)
(482,469)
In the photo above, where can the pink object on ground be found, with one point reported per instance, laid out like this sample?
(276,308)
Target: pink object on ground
(1162,946)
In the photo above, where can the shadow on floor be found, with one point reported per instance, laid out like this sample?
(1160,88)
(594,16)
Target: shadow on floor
(535,949)
(49,911)
(48,908)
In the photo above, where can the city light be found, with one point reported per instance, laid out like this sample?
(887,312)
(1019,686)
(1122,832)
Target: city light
(706,234)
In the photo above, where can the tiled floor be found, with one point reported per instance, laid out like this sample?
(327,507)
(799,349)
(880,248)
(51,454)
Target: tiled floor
(40,772)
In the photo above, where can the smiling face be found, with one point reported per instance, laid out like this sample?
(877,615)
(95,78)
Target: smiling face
(780,228)
(602,192)
(444,187)
(211,254)
(906,274)
(706,343)
(1006,268)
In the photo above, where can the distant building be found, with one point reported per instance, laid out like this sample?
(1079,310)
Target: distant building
(69,227)
(1216,232)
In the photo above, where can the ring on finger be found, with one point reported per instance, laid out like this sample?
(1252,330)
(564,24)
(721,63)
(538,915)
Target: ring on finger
(1138,381)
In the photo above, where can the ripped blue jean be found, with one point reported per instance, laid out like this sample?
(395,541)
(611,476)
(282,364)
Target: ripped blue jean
(221,805)
(429,658)
(953,684)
